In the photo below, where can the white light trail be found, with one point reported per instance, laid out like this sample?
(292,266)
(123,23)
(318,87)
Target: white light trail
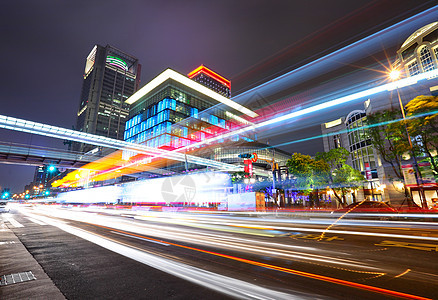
(193,236)
(82,137)
(223,284)
(319,107)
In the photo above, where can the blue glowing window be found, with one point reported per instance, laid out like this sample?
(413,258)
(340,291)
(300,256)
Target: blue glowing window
(194,113)
(213,120)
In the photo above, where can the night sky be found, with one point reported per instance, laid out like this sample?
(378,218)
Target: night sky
(45,43)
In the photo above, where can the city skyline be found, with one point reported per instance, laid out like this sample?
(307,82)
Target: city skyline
(49,87)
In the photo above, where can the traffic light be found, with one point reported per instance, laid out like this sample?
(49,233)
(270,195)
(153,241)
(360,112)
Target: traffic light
(51,168)
(46,193)
(5,194)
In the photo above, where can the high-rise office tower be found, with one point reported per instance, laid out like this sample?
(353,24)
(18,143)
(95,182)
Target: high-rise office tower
(212,80)
(111,76)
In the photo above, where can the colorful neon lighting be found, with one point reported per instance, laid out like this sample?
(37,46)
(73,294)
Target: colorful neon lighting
(210,73)
(77,136)
(171,74)
(117,62)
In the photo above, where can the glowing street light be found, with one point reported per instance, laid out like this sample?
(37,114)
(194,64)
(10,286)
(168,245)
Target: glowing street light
(394,74)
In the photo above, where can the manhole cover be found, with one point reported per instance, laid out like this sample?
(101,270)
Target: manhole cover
(16,278)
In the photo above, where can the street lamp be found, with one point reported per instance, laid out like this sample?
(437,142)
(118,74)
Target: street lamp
(395,74)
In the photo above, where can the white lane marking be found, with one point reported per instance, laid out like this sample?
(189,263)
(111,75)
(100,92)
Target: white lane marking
(36,221)
(46,220)
(7,243)
(228,285)
(14,222)
(139,238)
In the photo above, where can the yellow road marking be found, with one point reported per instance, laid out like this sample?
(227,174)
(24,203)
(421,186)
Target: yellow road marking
(416,246)
(404,273)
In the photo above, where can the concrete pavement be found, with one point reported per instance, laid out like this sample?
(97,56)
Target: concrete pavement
(14,258)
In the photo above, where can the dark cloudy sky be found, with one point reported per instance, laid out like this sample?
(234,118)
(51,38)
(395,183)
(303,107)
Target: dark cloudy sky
(44,45)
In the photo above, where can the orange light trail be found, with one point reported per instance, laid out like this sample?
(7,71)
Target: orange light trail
(281,269)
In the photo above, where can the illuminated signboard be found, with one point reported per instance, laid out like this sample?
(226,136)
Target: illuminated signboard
(117,62)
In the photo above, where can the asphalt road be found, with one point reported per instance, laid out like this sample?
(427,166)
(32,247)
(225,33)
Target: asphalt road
(109,254)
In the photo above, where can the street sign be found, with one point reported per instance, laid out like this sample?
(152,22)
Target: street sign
(409,175)
(248,166)
(254,157)
(368,174)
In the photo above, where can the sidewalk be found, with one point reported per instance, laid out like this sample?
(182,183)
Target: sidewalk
(14,258)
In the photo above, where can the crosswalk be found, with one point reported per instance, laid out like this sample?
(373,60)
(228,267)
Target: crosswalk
(36,221)
(14,222)
(9,220)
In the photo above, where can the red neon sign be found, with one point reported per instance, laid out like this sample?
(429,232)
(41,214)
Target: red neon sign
(208,72)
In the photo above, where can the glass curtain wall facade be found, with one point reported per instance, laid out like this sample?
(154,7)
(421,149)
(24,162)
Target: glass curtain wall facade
(360,145)
(176,116)
(111,76)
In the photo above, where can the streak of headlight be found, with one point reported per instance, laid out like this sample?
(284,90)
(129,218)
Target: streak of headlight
(223,284)
(270,251)
(306,274)
(335,102)
(112,225)
(349,98)
(351,130)
(349,232)
(62,133)
(346,51)
(339,219)
(345,232)
(214,281)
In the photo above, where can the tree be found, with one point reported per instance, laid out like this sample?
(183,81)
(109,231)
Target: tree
(422,123)
(300,166)
(339,176)
(307,174)
(327,169)
(388,136)
(238,177)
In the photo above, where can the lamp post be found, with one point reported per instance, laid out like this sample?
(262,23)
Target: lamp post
(395,75)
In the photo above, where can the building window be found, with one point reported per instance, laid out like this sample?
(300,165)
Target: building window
(426,59)
(413,69)
(360,144)
(435,50)
(337,141)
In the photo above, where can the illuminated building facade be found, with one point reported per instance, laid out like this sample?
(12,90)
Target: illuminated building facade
(44,174)
(173,111)
(111,76)
(350,132)
(418,54)
(212,80)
